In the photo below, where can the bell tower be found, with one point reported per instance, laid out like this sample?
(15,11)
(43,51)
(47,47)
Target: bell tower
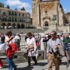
(35,12)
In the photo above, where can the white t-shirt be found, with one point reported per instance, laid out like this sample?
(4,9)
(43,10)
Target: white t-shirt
(17,37)
(31,42)
(7,38)
(51,45)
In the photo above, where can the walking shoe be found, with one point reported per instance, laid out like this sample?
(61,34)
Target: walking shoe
(29,66)
(67,64)
(35,64)
(15,68)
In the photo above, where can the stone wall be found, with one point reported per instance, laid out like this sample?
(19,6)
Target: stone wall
(50,12)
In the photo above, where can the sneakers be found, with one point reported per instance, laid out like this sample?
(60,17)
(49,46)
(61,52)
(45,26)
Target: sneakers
(29,66)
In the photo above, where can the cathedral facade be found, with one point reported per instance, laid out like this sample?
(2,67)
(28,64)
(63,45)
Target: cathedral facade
(47,14)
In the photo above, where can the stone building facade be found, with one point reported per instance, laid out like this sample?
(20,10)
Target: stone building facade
(48,14)
(67,16)
(14,18)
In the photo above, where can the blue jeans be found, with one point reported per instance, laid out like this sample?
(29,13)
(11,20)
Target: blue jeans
(11,63)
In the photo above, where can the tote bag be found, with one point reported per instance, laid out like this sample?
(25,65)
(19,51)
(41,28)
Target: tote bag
(3,47)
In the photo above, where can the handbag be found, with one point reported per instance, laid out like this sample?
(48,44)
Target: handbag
(11,50)
(31,49)
(13,46)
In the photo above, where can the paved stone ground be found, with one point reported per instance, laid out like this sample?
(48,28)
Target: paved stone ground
(42,65)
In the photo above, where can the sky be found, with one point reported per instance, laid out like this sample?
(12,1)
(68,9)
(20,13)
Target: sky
(27,4)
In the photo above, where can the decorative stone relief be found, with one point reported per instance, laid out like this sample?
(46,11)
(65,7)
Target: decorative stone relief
(48,6)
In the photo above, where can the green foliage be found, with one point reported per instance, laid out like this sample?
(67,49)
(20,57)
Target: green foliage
(23,8)
(15,8)
(1,5)
(8,7)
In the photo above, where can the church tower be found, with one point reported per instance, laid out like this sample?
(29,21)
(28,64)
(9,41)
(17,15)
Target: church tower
(36,12)
(46,13)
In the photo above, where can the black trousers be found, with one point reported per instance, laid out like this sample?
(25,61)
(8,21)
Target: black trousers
(34,59)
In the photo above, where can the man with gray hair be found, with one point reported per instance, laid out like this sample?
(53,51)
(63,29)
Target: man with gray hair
(52,51)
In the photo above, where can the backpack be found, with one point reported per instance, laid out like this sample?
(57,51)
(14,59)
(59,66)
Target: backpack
(11,50)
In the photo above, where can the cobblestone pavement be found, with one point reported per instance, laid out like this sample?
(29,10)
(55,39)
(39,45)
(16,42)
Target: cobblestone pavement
(42,65)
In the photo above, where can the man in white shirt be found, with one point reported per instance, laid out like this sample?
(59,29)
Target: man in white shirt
(52,48)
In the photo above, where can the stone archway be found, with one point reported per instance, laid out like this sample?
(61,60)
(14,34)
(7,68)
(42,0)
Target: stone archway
(9,26)
(46,23)
(18,26)
(14,25)
(3,25)
(22,26)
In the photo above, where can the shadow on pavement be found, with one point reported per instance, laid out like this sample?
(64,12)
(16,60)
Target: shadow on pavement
(25,68)
(30,68)
(5,66)
(64,63)
(41,64)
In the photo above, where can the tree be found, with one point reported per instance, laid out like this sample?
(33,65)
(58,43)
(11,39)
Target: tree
(1,5)
(8,7)
(15,8)
(22,8)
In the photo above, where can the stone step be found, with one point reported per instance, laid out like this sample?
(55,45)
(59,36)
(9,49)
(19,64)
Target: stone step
(22,30)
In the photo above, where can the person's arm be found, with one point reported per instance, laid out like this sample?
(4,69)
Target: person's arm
(8,40)
(58,44)
(47,51)
(47,48)
(67,55)
(34,44)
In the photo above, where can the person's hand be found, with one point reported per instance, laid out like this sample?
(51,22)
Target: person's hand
(56,47)
(11,37)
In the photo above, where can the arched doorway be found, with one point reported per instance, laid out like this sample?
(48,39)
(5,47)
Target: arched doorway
(46,23)
(9,26)
(22,26)
(14,25)
(18,26)
(3,25)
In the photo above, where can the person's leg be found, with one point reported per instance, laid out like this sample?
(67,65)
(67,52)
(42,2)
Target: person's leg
(13,64)
(10,65)
(50,65)
(50,61)
(29,61)
(68,59)
(34,59)
(1,64)
(57,61)
(69,56)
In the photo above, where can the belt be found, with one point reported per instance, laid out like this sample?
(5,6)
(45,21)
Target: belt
(50,52)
